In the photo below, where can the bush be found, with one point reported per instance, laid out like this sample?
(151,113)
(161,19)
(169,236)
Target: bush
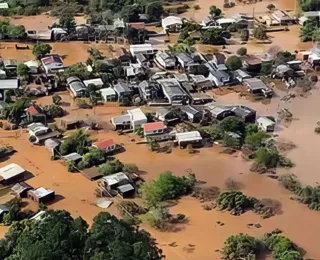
(214,131)
(266,68)
(271,6)
(94,157)
(233,124)
(242,51)
(310,196)
(251,129)
(235,201)
(234,63)
(76,143)
(167,187)
(130,168)
(290,182)
(53,111)
(71,166)
(260,33)
(22,70)
(279,245)
(111,167)
(230,141)
(157,216)
(31,10)
(241,246)
(196,7)
(56,99)
(40,49)
(233,184)
(268,158)
(255,140)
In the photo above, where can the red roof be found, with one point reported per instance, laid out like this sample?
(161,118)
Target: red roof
(51,59)
(32,111)
(153,126)
(103,144)
(140,25)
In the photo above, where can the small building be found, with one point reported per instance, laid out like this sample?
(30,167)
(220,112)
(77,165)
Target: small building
(154,128)
(193,114)
(122,90)
(11,173)
(108,94)
(52,63)
(52,145)
(168,114)
(107,145)
(143,60)
(258,88)
(33,66)
(3,210)
(219,112)
(266,123)
(165,60)
(173,91)
(76,86)
(37,129)
(146,49)
(97,82)
(133,119)
(201,82)
(21,189)
(200,98)
(241,75)
(225,22)
(186,61)
(92,173)
(247,114)
(121,183)
(283,18)
(41,195)
(171,24)
(8,84)
(219,78)
(251,63)
(186,138)
(74,157)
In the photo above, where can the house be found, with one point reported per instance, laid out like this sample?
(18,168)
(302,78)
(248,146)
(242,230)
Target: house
(146,49)
(76,86)
(219,112)
(121,183)
(201,82)
(122,90)
(200,98)
(171,24)
(283,17)
(74,157)
(154,128)
(168,114)
(3,210)
(33,115)
(186,138)
(11,173)
(8,84)
(21,189)
(4,6)
(173,91)
(251,63)
(150,90)
(39,133)
(186,61)
(165,60)
(247,114)
(41,195)
(225,22)
(10,65)
(97,82)
(240,75)
(108,94)
(193,114)
(138,25)
(143,60)
(33,66)
(133,119)
(181,77)
(219,78)
(107,145)
(282,70)
(92,173)
(133,71)
(258,87)
(52,145)
(52,63)
(266,123)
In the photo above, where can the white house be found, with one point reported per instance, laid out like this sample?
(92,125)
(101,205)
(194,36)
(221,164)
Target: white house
(171,24)
(97,82)
(266,123)
(76,86)
(36,129)
(142,49)
(133,119)
(108,94)
(188,137)
(33,66)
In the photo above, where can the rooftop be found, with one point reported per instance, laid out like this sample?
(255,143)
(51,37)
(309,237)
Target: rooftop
(171,87)
(125,188)
(115,178)
(255,84)
(41,192)
(96,82)
(103,144)
(190,110)
(20,187)
(72,157)
(251,60)
(51,59)
(153,126)
(140,25)
(188,136)
(9,83)
(10,170)
(32,110)
(171,20)
(3,208)
(136,114)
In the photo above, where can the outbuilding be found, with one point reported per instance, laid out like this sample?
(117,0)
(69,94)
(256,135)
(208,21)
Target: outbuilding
(186,138)
(266,123)
(52,63)
(154,128)
(21,189)
(11,173)
(41,195)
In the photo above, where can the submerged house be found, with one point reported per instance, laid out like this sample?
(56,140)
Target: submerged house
(247,114)
(251,63)
(41,195)
(283,18)
(11,173)
(76,86)
(187,138)
(21,189)
(146,49)
(107,145)
(173,91)
(193,114)
(258,88)
(121,183)
(122,90)
(171,24)
(165,60)
(133,119)
(52,63)
(219,78)
(168,114)
(266,123)
(218,112)
(108,94)
(154,128)
(186,62)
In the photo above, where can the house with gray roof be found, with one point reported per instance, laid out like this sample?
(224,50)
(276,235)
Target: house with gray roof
(173,91)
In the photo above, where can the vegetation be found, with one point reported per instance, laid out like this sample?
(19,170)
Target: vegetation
(269,158)
(255,140)
(22,70)
(235,201)
(67,21)
(215,12)
(213,36)
(167,187)
(14,111)
(242,51)
(260,33)
(157,216)
(94,157)
(56,99)
(40,49)
(111,167)
(154,10)
(234,62)
(53,111)
(130,168)
(309,31)
(59,236)
(14,210)
(266,68)
(5,150)
(10,31)
(78,142)
(290,182)
(244,35)
(271,6)
(309,5)
(233,124)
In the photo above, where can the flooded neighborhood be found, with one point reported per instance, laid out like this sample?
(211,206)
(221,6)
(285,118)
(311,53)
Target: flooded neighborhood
(164,130)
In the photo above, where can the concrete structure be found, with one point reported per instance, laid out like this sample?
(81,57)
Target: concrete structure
(173,91)
(119,182)
(52,63)
(266,123)
(171,24)
(97,82)
(122,90)
(11,173)
(41,195)
(8,84)
(258,87)
(154,128)
(133,119)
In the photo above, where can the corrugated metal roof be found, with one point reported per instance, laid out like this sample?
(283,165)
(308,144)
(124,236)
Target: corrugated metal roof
(10,171)
(188,136)
(9,83)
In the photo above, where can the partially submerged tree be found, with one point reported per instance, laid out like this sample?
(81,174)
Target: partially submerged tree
(215,11)
(78,142)
(213,36)
(40,49)
(234,62)
(260,33)
(154,10)
(111,167)
(235,201)
(56,99)
(22,70)
(67,21)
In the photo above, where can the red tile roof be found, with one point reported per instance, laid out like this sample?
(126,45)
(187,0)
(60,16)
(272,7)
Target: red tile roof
(32,111)
(153,126)
(103,144)
(140,25)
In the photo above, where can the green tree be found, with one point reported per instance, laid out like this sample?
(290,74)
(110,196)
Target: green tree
(130,13)
(78,142)
(22,70)
(53,111)
(40,49)
(268,157)
(15,111)
(213,36)
(310,5)
(67,21)
(130,167)
(154,10)
(281,247)
(233,124)
(290,182)
(111,167)
(242,51)
(94,157)
(235,201)
(234,62)
(56,99)
(260,33)
(266,68)
(251,129)
(255,140)
(241,246)
(214,11)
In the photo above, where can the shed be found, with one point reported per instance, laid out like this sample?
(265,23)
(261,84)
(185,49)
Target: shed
(171,24)
(108,94)
(107,145)
(154,128)
(11,173)
(266,123)
(186,138)
(21,189)
(126,190)
(193,114)
(75,157)
(91,173)
(3,210)
(52,145)
(41,195)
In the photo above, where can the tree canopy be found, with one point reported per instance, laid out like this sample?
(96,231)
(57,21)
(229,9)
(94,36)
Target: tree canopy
(215,11)
(22,70)
(40,49)
(78,142)
(233,124)
(234,62)
(154,10)
(213,36)
(58,236)
(67,21)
